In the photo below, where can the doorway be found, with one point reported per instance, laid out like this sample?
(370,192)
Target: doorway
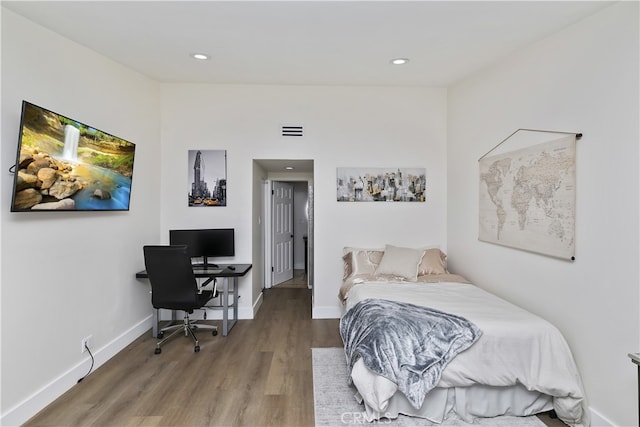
(286,219)
(287,231)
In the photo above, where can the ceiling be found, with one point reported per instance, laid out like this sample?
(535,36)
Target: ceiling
(306,42)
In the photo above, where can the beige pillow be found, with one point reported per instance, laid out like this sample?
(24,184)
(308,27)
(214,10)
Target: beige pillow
(361,261)
(434,261)
(401,262)
(346,265)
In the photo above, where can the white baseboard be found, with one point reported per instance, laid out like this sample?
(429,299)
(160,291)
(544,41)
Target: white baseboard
(244,312)
(256,305)
(327,312)
(30,406)
(599,420)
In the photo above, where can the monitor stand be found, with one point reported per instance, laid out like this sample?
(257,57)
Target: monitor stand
(206,263)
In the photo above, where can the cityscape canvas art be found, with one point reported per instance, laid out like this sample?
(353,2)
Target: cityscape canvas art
(207,178)
(381,184)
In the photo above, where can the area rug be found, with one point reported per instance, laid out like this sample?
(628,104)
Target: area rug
(335,404)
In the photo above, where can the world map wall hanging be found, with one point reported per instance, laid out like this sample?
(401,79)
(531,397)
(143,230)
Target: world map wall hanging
(527,196)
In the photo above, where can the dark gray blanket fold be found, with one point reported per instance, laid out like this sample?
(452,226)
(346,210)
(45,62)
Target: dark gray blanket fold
(405,343)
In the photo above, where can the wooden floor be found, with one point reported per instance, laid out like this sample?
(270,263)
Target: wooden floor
(259,375)
(299,281)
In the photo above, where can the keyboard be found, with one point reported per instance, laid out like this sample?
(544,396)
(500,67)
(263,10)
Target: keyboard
(214,270)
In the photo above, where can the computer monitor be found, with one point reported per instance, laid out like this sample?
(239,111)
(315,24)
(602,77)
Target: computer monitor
(186,237)
(205,243)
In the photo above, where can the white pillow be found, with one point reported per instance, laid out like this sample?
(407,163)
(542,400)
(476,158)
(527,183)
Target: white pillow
(402,262)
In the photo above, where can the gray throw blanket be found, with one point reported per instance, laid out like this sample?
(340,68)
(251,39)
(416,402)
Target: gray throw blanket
(405,343)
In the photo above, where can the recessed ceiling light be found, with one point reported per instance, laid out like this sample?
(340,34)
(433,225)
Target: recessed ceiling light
(399,61)
(200,56)
(289,168)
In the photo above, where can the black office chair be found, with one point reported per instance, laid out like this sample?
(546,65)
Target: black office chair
(174,287)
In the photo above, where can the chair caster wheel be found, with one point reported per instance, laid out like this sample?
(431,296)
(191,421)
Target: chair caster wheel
(160,335)
(214,332)
(158,351)
(196,349)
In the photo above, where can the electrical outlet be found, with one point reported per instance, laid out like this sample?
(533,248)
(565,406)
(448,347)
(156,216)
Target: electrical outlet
(87,342)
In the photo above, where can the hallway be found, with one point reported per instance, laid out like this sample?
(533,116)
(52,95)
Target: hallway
(299,281)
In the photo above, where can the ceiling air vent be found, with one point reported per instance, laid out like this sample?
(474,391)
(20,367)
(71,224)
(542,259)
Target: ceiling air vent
(292,131)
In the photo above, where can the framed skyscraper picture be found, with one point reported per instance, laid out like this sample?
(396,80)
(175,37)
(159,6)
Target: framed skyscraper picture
(207,178)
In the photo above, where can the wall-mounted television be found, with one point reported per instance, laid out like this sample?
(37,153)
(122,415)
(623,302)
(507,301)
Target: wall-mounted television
(205,243)
(65,165)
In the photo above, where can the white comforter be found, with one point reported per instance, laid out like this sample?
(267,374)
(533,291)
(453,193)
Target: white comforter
(516,347)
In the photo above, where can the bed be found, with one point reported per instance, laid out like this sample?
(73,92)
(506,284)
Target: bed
(498,358)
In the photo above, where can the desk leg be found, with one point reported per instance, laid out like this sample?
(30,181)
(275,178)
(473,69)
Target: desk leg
(225,307)
(236,299)
(226,323)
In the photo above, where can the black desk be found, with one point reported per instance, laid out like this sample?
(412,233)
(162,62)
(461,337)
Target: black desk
(211,273)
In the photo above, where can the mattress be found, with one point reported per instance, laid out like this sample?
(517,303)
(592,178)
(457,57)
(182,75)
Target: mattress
(521,365)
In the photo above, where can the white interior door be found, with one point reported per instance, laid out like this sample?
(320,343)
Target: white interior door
(282,236)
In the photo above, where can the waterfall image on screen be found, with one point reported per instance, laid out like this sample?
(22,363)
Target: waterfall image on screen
(63,164)
(71,139)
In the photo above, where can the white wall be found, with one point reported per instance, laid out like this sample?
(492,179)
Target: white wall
(583,79)
(344,126)
(68,275)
